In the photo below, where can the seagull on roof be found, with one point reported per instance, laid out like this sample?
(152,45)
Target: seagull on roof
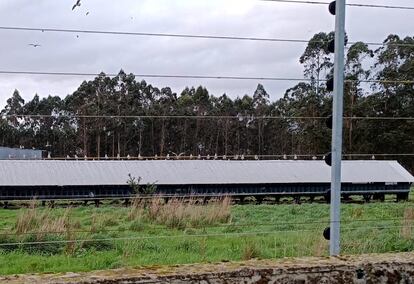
(77,4)
(34,44)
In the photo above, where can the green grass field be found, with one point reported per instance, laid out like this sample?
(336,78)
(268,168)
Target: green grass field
(153,236)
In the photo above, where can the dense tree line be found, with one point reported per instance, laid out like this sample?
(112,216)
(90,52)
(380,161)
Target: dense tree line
(370,91)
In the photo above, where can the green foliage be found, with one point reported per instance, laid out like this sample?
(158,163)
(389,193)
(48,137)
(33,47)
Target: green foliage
(251,133)
(138,189)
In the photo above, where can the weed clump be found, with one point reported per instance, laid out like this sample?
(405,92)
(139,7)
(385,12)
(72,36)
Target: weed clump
(251,250)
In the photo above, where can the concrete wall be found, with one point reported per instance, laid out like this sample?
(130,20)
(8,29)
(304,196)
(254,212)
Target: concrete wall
(370,269)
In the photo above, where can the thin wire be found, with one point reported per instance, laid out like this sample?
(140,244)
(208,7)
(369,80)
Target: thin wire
(153,34)
(123,33)
(257,233)
(156,76)
(150,237)
(348,4)
(178,76)
(277,224)
(238,117)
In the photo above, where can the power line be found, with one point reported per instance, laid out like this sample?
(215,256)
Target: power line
(174,35)
(212,77)
(348,4)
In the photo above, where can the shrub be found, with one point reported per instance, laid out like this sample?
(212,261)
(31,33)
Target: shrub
(250,251)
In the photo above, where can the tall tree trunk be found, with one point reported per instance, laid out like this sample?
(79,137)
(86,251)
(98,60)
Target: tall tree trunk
(119,143)
(85,140)
(113,144)
(162,140)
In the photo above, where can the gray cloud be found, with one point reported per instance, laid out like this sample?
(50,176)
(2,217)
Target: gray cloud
(95,53)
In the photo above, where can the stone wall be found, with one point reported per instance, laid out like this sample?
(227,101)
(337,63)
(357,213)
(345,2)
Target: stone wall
(387,268)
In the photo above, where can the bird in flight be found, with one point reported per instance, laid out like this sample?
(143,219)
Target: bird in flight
(77,4)
(34,44)
(87,13)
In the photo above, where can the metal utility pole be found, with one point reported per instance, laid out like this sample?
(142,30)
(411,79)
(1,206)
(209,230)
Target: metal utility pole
(337,128)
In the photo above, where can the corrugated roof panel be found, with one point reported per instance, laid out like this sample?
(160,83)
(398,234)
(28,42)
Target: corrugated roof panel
(37,173)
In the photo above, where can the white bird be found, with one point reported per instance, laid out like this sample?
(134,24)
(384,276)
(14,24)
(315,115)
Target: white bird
(242,157)
(77,4)
(236,157)
(373,157)
(139,157)
(106,156)
(86,157)
(224,157)
(34,44)
(168,156)
(128,157)
(208,157)
(215,156)
(295,157)
(256,157)
(191,156)
(67,157)
(156,157)
(314,158)
(76,157)
(118,156)
(48,156)
(284,157)
(199,157)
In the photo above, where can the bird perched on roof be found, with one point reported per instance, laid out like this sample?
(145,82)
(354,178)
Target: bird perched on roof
(77,4)
(34,44)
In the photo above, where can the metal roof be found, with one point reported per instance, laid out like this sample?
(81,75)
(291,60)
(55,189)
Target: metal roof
(162,172)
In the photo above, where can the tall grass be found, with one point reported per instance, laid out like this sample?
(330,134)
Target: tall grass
(407,223)
(41,222)
(179,213)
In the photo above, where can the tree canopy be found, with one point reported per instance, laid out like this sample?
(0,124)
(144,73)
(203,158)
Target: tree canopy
(370,90)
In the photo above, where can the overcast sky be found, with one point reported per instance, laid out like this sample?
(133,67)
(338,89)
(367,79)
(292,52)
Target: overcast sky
(95,53)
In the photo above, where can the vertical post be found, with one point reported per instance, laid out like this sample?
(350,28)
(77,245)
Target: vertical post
(337,128)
